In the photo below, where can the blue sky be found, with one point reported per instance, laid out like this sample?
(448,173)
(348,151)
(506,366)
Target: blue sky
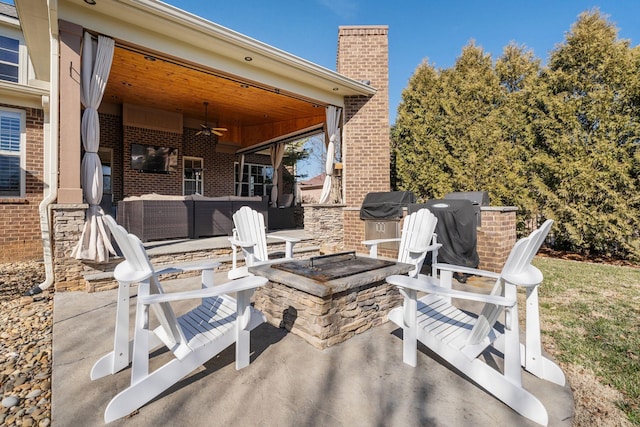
(435,31)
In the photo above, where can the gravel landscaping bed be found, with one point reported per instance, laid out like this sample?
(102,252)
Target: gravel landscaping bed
(26,333)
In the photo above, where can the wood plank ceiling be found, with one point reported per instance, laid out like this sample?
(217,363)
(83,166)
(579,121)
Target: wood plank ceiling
(150,80)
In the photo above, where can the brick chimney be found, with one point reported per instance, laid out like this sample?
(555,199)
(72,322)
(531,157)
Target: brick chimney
(363,54)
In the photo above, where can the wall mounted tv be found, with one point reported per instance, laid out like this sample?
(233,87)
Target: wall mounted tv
(155,159)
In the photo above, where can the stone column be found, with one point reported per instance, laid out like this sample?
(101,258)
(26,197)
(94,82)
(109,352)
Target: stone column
(324,224)
(68,221)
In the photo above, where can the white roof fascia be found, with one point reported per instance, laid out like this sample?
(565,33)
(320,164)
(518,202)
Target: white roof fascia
(21,95)
(211,45)
(36,17)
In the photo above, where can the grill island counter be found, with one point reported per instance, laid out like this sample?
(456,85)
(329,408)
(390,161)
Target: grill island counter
(329,311)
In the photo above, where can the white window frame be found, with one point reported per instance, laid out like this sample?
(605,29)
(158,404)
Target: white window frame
(21,153)
(250,184)
(199,182)
(23,55)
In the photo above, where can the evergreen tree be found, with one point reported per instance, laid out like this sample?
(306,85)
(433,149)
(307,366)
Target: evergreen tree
(461,129)
(586,130)
(561,142)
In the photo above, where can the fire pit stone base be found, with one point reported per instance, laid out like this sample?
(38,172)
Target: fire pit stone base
(324,321)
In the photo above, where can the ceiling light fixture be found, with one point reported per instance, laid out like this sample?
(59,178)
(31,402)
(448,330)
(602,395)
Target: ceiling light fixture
(248,58)
(150,58)
(90,2)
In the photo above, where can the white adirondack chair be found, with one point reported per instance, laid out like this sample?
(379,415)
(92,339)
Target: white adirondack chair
(249,234)
(460,338)
(417,239)
(217,321)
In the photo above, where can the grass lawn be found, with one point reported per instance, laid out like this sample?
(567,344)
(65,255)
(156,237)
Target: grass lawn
(590,316)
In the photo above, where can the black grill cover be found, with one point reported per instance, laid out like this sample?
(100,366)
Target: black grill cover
(385,205)
(480,198)
(456,230)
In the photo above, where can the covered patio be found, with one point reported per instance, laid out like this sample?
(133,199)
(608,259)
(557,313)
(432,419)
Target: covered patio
(219,104)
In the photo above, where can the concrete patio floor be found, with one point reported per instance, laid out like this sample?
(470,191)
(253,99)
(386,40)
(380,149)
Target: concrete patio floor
(361,382)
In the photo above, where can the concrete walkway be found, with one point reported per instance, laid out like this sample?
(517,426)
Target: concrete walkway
(361,382)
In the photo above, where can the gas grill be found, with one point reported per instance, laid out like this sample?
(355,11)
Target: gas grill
(382,212)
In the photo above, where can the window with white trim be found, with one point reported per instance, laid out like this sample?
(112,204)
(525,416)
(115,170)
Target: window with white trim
(256,179)
(192,175)
(12,141)
(9,59)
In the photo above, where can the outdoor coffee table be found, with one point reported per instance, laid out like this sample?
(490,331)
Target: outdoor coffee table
(328,299)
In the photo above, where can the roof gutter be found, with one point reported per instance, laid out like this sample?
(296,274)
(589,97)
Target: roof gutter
(50,107)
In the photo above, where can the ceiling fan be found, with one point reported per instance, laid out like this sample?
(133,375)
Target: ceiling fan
(206,129)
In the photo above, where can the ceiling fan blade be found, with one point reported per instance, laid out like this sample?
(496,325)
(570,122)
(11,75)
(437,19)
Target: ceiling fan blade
(199,132)
(216,132)
(220,129)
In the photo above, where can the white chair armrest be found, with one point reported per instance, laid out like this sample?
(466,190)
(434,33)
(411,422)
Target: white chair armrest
(284,238)
(289,242)
(426,249)
(379,241)
(186,266)
(242,284)
(373,245)
(528,278)
(430,285)
(241,243)
(467,270)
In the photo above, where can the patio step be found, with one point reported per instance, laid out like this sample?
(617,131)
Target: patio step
(96,281)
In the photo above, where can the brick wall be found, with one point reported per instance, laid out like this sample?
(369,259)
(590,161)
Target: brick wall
(137,183)
(21,238)
(111,137)
(218,166)
(496,237)
(363,55)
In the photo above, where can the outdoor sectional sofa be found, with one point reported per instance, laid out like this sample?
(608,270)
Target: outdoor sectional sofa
(158,217)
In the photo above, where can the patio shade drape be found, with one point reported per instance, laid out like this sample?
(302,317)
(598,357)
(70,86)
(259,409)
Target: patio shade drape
(277,153)
(333,131)
(94,244)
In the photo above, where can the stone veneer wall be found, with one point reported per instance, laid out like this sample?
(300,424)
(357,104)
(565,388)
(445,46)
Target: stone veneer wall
(68,221)
(325,225)
(326,321)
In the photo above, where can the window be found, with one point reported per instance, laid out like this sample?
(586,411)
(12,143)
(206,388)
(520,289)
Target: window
(256,180)
(106,159)
(192,179)
(11,153)
(9,59)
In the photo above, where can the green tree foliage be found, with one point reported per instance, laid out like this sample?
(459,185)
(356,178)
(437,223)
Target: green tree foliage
(462,129)
(558,142)
(587,135)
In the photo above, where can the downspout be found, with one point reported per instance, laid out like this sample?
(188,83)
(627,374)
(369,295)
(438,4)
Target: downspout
(50,176)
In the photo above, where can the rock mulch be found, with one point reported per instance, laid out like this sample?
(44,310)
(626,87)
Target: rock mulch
(26,331)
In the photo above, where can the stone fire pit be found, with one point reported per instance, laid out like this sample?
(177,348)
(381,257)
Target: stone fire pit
(327,300)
